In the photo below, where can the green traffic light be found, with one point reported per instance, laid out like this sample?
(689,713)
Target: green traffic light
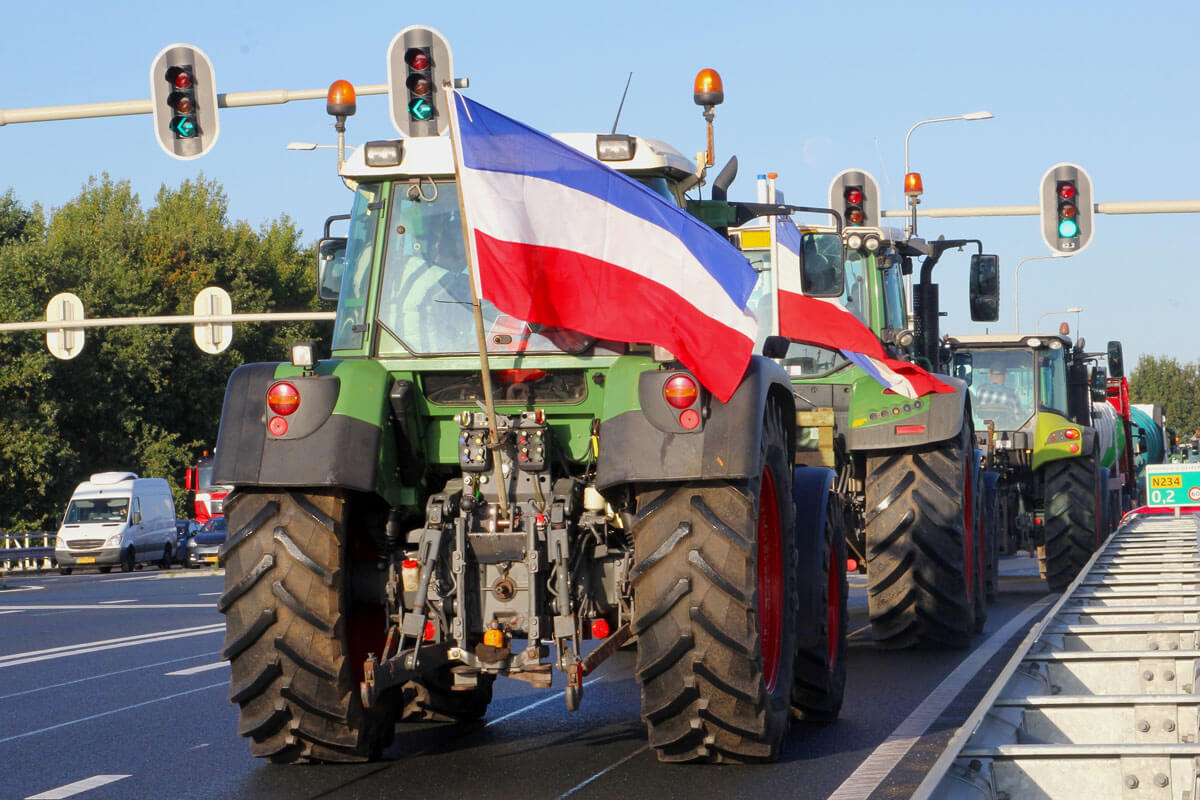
(420,109)
(1067,229)
(184,127)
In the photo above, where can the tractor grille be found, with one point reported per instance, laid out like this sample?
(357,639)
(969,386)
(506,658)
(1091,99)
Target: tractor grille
(85,544)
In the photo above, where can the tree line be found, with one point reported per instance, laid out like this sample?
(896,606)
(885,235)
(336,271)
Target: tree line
(144,398)
(1175,386)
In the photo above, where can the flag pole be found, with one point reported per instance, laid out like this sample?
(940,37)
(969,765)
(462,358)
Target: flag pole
(472,271)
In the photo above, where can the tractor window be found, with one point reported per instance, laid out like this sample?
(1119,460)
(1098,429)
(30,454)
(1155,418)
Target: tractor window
(425,292)
(854,295)
(350,324)
(763,295)
(1002,387)
(1052,381)
(893,298)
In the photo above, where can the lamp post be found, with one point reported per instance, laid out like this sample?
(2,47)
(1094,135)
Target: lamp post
(1037,328)
(912,180)
(1017,284)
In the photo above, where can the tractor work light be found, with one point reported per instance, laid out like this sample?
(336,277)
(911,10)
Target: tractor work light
(615,147)
(387,153)
(304,354)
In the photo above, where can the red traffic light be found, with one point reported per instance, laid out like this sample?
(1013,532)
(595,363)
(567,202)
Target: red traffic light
(854,195)
(418,59)
(1066,190)
(182,79)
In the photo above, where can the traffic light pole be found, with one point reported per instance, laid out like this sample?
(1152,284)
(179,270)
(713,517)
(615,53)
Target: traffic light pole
(1126,207)
(120,108)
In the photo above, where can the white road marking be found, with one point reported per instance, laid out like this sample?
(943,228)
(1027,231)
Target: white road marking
(877,766)
(208,594)
(106,675)
(13,611)
(201,668)
(115,602)
(609,768)
(98,607)
(78,787)
(110,713)
(542,702)
(16,659)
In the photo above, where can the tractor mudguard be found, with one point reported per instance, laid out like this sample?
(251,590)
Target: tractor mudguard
(874,420)
(649,445)
(319,448)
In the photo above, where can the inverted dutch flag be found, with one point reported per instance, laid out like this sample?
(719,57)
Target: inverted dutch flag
(561,239)
(825,322)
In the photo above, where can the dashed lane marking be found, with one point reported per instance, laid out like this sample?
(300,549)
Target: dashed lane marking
(78,787)
(201,668)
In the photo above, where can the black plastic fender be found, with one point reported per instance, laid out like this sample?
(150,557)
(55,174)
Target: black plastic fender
(943,420)
(725,446)
(320,448)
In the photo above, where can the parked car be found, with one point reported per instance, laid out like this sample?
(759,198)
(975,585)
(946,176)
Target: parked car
(185,529)
(204,545)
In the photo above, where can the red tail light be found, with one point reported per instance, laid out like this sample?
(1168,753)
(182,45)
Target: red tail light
(283,398)
(681,391)
(600,629)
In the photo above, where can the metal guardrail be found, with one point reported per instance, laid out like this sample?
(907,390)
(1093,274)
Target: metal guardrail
(1101,699)
(26,551)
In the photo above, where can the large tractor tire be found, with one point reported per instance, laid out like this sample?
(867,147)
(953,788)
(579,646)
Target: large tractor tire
(820,671)
(921,555)
(294,636)
(1074,518)
(715,603)
(995,530)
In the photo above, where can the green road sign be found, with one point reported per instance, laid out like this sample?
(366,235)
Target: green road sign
(1173,485)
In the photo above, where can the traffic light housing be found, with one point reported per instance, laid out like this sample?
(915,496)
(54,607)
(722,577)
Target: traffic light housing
(1067,206)
(419,61)
(183,93)
(855,195)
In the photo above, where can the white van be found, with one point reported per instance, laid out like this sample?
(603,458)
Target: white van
(117,519)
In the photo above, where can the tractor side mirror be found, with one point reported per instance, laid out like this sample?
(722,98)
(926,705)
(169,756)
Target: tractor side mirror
(331,262)
(985,288)
(822,264)
(1116,360)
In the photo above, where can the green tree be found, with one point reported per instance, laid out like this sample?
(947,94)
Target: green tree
(142,398)
(1175,386)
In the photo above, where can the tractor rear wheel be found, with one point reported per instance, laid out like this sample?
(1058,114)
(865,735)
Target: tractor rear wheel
(920,545)
(820,671)
(1073,518)
(715,603)
(293,635)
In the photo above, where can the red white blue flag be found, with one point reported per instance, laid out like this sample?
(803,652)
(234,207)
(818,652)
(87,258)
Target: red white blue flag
(561,239)
(825,322)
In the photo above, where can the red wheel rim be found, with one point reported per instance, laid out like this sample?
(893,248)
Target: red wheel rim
(770,580)
(834,611)
(969,531)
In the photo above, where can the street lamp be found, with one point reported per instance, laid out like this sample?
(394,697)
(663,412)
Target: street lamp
(1017,284)
(912,180)
(1073,310)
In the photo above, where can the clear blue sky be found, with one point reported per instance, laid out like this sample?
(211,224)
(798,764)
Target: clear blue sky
(811,88)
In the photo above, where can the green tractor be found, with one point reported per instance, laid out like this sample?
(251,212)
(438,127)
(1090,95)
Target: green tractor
(388,558)
(908,470)
(1042,415)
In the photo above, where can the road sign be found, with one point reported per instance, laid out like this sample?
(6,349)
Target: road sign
(64,343)
(213,337)
(1169,485)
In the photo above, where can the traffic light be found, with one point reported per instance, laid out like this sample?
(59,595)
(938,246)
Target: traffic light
(1067,208)
(855,195)
(183,94)
(419,61)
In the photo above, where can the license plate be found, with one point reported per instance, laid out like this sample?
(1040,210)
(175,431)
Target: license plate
(87,560)
(211,559)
